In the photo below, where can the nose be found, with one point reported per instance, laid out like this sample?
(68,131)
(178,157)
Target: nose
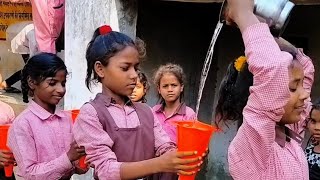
(304,94)
(133,74)
(60,89)
(317,126)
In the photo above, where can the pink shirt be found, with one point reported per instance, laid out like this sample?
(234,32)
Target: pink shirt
(182,113)
(6,113)
(254,154)
(88,132)
(39,141)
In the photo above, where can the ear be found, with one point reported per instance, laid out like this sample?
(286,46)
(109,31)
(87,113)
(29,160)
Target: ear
(99,69)
(31,83)
(182,87)
(158,89)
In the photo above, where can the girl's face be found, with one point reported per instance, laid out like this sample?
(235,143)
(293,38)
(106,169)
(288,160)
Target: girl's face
(138,92)
(295,106)
(49,92)
(314,124)
(119,77)
(170,88)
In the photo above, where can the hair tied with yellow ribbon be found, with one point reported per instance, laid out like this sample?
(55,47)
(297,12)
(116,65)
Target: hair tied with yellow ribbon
(240,62)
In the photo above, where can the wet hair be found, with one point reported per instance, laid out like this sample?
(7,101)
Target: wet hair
(104,46)
(315,106)
(144,81)
(38,68)
(233,94)
(174,69)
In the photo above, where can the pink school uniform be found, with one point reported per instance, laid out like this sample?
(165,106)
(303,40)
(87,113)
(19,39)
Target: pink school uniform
(89,131)
(257,152)
(6,113)
(182,113)
(39,141)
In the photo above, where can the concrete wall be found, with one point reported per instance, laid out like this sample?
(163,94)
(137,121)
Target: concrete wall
(179,33)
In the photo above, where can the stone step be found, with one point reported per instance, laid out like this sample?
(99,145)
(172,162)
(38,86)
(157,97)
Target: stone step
(14,100)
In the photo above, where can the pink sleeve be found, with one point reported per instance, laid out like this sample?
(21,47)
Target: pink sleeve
(163,143)
(22,145)
(17,1)
(309,71)
(88,132)
(268,95)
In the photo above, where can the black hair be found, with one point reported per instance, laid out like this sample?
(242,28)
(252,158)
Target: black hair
(315,106)
(38,68)
(233,94)
(174,69)
(102,47)
(144,81)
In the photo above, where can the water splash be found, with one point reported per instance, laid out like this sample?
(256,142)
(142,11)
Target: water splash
(207,64)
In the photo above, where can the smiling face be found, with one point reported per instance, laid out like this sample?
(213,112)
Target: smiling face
(119,76)
(49,92)
(298,95)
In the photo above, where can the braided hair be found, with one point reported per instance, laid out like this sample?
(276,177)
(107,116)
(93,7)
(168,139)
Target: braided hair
(38,68)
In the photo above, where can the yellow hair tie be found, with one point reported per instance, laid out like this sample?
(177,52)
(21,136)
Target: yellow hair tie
(239,63)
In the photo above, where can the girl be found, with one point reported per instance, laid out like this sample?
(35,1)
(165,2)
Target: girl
(313,149)
(142,86)
(264,147)
(122,139)
(169,80)
(40,137)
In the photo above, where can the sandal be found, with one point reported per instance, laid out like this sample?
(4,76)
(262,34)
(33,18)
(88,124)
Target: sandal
(12,90)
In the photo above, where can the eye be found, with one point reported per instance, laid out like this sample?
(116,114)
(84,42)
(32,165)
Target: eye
(63,84)
(124,68)
(292,89)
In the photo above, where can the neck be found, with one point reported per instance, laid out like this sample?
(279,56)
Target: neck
(48,107)
(118,98)
(172,106)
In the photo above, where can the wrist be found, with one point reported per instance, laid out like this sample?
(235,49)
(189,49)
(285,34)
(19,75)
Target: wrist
(157,166)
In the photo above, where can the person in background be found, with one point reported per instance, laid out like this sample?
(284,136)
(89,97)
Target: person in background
(140,91)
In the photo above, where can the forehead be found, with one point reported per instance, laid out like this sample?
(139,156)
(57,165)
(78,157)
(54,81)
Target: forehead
(127,55)
(167,76)
(60,75)
(296,71)
(315,114)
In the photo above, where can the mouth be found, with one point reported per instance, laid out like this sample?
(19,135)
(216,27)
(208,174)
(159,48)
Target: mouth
(58,97)
(300,108)
(132,85)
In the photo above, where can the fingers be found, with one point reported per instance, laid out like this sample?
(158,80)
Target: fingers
(186,153)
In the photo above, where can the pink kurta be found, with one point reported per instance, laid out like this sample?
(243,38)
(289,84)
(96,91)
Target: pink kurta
(183,113)
(40,142)
(254,154)
(48,19)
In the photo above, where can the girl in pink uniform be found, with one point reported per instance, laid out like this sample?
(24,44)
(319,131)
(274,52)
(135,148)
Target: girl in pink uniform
(267,144)
(169,80)
(40,137)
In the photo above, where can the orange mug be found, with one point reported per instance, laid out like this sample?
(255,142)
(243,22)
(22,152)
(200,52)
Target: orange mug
(3,146)
(193,136)
(74,114)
